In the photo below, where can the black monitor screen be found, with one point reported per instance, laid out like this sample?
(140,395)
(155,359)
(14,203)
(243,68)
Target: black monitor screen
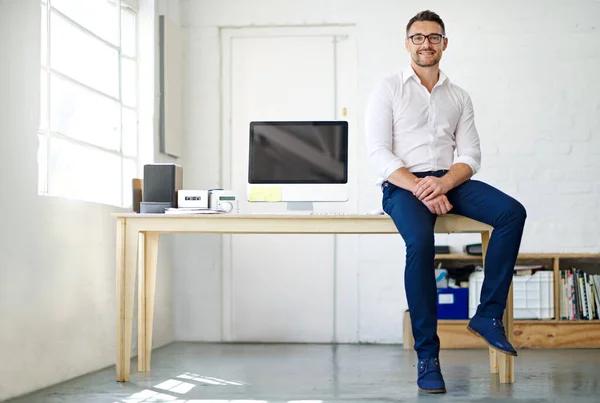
(298,152)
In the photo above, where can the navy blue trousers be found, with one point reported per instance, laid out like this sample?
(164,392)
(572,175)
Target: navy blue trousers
(415,223)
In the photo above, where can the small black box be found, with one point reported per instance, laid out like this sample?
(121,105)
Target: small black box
(154,207)
(442,249)
(474,249)
(162,182)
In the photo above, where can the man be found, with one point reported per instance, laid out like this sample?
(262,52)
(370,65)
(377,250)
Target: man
(415,121)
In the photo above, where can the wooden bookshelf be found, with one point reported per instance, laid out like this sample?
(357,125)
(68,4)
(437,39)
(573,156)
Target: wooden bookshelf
(528,333)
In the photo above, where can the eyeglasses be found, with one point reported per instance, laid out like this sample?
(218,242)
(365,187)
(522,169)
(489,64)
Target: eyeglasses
(434,39)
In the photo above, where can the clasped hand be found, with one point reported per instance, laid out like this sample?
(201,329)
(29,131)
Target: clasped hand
(432,192)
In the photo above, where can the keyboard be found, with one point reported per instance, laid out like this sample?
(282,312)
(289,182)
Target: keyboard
(300,213)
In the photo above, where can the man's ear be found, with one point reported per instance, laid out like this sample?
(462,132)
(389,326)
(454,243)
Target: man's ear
(445,43)
(406,44)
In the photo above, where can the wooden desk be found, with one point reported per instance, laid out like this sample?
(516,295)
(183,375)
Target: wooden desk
(137,241)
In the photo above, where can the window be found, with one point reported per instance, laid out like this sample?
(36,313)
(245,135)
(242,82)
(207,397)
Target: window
(88,136)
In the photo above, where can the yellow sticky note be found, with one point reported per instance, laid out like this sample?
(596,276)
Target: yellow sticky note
(265,193)
(257,193)
(273,194)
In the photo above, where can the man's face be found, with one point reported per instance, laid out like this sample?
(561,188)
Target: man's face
(425,54)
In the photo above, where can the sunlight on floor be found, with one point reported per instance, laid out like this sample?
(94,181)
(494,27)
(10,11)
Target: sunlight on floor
(181,387)
(209,379)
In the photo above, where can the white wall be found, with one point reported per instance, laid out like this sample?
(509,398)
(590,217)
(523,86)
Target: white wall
(57,257)
(530,68)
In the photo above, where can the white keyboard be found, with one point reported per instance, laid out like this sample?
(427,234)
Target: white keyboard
(303,213)
(331,213)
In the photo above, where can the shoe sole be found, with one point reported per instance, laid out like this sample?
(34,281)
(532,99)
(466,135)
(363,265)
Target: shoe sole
(432,391)
(494,347)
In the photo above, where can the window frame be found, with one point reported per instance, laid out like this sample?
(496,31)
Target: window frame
(45,132)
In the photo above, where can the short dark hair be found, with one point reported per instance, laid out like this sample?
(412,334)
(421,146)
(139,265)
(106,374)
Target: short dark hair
(426,15)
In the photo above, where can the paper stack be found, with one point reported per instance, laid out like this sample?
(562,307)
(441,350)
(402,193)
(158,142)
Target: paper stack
(191,210)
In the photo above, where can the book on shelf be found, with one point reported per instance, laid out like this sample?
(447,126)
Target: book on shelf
(579,295)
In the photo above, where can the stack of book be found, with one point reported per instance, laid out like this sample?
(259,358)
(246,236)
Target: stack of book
(580,295)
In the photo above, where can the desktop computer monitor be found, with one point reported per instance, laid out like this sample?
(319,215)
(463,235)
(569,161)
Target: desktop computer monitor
(298,162)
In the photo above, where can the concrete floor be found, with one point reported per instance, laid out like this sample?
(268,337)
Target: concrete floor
(282,373)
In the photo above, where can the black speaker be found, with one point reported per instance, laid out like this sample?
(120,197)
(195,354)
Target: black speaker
(162,182)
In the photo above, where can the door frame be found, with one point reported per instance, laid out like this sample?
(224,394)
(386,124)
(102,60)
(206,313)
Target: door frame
(343,32)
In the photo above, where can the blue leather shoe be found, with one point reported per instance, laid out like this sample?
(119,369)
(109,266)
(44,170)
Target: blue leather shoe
(492,331)
(430,376)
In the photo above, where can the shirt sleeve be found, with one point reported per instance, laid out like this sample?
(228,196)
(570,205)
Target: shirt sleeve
(378,129)
(467,139)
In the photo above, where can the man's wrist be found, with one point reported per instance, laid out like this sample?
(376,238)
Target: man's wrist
(449,180)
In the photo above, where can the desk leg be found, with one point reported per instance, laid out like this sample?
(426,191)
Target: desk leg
(485,240)
(507,362)
(148,255)
(127,244)
(408,341)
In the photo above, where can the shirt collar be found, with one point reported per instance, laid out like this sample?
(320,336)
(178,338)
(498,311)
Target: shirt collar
(409,72)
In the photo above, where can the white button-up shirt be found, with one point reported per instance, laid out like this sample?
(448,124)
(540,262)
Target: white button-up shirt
(406,126)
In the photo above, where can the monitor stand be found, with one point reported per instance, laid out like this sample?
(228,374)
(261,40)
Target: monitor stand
(300,207)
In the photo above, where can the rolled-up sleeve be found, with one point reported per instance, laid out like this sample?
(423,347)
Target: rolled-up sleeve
(378,128)
(468,150)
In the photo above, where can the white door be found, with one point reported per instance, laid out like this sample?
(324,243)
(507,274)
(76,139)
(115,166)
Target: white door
(282,287)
